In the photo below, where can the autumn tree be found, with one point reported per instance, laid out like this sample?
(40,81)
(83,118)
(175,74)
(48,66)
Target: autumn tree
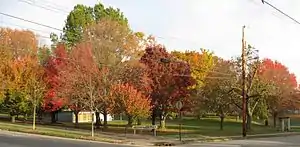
(170,82)
(51,102)
(215,91)
(18,42)
(80,80)
(112,44)
(16,46)
(255,89)
(201,63)
(282,83)
(136,76)
(43,54)
(26,86)
(34,86)
(15,99)
(82,16)
(130,101)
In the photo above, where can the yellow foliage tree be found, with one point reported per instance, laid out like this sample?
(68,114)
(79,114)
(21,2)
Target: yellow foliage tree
(201,64)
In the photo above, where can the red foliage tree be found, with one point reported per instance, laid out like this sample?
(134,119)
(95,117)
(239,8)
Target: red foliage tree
(52,103)
(171,81)
(137,76)
(283,85)
(79,80)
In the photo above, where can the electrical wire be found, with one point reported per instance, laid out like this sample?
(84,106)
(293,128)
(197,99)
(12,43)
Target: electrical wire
(33,22)
(65,12)
(264,1)
(44,7)
(56,6)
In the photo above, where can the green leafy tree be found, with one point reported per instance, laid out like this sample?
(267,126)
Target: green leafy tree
(82,16)
(15,103)
(255,89)
(215,91)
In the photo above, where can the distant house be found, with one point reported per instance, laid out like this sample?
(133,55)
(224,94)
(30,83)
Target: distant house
(83,117)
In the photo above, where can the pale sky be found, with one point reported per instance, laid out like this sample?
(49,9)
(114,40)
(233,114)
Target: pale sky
(185,24)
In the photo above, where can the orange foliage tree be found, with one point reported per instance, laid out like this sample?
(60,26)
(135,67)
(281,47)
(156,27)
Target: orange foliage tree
(129,100)
(19,67)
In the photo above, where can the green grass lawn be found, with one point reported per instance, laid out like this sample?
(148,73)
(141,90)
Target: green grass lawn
(205,127)
(190,128)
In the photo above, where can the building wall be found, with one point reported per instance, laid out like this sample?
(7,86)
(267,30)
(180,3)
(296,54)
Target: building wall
(64,116)
(83,117)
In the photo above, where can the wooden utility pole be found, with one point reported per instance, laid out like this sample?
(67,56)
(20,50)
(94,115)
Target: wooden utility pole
(244,82)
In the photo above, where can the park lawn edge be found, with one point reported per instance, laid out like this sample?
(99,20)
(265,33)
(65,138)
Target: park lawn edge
(56,133)
(42,130)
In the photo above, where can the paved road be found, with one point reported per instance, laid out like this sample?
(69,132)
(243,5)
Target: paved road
(8,139)
(289,141)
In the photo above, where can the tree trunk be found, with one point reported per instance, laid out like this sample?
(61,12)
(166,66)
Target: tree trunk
(222,116)
(53,117)
(162,122)
(105,118)
(97,120)
(25,117)
(249,121)
(130,120)
(76,113)
(34,116)
(153,117)
(139,122)
(266,122)
(13,118)
(275,119)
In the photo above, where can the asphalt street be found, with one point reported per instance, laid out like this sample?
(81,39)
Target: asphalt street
(9,139)
(288,141)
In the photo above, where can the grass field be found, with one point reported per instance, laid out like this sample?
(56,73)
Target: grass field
(191,128)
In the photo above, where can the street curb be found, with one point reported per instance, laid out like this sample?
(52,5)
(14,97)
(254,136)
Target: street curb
(175,143)
(222,139)
(265,135)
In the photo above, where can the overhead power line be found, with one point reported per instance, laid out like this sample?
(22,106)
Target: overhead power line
(33,22)
(265,2)
(46,7)
(65,12)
